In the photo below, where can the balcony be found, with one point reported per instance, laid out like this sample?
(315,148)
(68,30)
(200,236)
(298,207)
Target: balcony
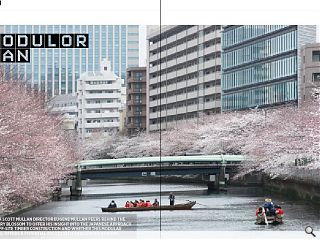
(171,112)
(136,113)
(181,72)
(154,69)
(154,103)
(154,46)
(192,81)
(102,86)
(154,57)
(153,127)
(136,90)
(210,49)
(136,125)
(193,94)
(192,69)
(171,75)
(181,110)
(171,51)
(153,80)
(181,97)
(192,108)
(154,91)
(182,84)
(102,95)
(102,115)
(135,80)
(171,63)
(192,56)
(181,47)
(192,30)
(182,59)
(192,43)
(171,99)
(102,105)
(102,125)
(136,102)
(211,36)
(153,115)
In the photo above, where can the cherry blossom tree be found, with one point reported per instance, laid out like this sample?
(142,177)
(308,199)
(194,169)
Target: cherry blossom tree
(34,150)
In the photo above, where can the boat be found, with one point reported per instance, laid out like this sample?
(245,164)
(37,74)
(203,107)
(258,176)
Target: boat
(185,206)
(277,219)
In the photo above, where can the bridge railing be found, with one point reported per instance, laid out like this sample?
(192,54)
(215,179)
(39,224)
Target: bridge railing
(207,160)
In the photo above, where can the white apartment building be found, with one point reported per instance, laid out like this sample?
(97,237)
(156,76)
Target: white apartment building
(65,105)
(183,74)
(99,102)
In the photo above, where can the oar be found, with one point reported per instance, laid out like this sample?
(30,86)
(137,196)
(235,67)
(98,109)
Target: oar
(265,216)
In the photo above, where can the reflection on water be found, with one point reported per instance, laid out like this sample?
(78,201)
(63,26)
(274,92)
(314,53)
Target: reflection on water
(234,210)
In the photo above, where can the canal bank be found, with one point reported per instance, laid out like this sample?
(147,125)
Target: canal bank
(293,190)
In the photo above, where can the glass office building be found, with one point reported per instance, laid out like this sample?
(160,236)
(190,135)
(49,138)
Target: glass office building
(56,70)
(260,64)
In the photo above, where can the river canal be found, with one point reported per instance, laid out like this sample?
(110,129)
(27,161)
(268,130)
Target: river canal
(232,210)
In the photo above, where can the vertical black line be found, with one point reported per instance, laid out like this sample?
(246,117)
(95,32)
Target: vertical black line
(160,117)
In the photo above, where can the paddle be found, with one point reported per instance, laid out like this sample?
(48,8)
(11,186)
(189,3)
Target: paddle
(265,216)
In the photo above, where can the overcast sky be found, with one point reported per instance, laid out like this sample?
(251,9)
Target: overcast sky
(143,37)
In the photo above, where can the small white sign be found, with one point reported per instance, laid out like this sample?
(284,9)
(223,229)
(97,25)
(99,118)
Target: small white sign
(212,178)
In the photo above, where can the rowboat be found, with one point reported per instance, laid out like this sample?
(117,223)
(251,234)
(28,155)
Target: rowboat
(185,206)
(277,219)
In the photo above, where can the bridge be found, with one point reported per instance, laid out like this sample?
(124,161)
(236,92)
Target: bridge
(215,168)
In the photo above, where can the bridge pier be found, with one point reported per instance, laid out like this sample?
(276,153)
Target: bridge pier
(76,186)
(218,180)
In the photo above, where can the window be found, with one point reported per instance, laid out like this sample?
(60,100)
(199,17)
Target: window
(315,56)
(315,77)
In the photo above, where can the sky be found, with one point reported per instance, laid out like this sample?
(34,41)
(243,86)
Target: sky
(143,37)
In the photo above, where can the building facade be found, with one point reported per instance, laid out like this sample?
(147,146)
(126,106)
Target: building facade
(260,64)
(310,71)
(183,74)
(99,102)
(55,71)
(136,100)
(65,105)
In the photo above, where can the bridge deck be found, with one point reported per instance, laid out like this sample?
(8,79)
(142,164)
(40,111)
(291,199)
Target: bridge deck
(202,159)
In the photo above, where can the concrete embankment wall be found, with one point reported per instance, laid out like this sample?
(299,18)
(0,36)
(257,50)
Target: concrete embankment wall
(293,190)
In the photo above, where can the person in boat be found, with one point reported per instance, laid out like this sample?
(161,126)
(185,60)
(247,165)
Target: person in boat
(136,203)
(279,210)
(259,211)
(127,205)
(171,198)
(131,204)
(112,204)
(269,207)
(141,203)
(155,203)
(148,203)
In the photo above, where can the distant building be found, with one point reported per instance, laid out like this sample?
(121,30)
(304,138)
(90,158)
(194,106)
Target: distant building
(55,71)
(65,105)
(310,71)
(260,64)
(136,100)
(123,110)
(99,102)
(183,74)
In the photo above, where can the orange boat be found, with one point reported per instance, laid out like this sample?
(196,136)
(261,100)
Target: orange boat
(186,206)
